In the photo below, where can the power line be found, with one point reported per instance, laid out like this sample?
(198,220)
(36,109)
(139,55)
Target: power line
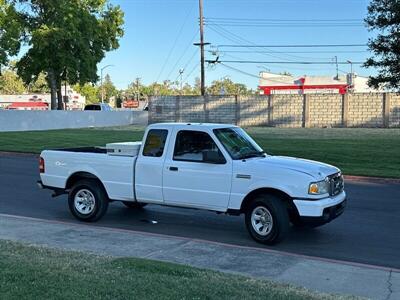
(249,74)
(289,20)
(282,25)
(174,44)
(299,52)
(283,22)
(237,39)
(183,54)
(191,72)
(188,62)
(294,46)
(240,71)
(285,62)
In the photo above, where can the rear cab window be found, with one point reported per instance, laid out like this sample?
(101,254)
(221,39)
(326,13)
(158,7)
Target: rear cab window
(155,142)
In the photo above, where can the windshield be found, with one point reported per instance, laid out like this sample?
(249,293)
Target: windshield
(238,143)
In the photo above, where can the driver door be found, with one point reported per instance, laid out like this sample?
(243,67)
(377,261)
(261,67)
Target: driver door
(189,180)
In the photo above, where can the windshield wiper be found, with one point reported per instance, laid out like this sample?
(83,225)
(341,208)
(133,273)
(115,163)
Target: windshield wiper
(253,154)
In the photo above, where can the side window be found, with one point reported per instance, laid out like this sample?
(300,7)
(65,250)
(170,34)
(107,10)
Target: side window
(196,146)
(155,142)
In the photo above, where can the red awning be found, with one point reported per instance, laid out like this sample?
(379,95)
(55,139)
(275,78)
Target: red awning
(27,104)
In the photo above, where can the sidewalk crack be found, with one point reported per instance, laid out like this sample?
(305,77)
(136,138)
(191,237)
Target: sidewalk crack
(151,254)
(389,285)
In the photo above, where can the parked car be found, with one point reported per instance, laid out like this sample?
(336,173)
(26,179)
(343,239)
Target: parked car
(98,106)
(214,167)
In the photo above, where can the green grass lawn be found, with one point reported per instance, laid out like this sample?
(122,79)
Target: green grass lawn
(38,273)
(368,152)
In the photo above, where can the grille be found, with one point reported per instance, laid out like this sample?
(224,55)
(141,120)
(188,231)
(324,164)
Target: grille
(336,184)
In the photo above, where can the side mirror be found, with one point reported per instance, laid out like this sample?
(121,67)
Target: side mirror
(213,157)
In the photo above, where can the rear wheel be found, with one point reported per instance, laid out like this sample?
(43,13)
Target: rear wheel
(87,200)
(134,205)
(267,219)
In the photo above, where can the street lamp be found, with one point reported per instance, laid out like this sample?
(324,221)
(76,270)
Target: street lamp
(101,81)
(351,66)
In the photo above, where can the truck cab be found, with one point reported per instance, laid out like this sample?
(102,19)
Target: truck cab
(215,167)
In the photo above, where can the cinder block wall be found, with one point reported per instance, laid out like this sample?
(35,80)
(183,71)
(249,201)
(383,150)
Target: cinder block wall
(394,110)
(287,110)
(221,109)
(162,109)
(190,109)
(311,110)
(365,110)
(254,111)
(325,110)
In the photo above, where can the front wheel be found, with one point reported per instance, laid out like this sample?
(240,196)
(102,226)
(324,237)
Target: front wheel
(87,200)
(267,219)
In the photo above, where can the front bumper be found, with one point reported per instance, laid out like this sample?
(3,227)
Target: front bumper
(319,208)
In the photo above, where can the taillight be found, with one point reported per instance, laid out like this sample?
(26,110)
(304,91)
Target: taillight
(41,165)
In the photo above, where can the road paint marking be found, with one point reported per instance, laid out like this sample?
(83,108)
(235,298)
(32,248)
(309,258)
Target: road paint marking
(166,236)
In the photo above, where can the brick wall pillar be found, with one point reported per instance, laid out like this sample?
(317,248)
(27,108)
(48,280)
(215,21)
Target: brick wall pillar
(237,110)
(386,109)
(150,110)
(306,111)
(177,109)
(270,110)
(345,110)
(206,109)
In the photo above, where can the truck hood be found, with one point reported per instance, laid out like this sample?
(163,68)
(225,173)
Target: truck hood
(315,169)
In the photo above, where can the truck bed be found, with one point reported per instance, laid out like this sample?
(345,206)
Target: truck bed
(84,150)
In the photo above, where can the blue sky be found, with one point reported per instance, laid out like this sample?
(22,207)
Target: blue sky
(159,36)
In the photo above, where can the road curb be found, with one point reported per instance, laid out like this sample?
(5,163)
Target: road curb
(186,239)
(371,179)
(20,154)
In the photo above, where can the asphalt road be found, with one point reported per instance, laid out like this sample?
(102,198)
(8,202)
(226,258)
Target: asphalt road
(368,231)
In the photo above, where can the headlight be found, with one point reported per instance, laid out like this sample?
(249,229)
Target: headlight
(319,188)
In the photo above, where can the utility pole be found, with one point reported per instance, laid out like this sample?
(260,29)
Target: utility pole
(137,88)
(202,44)
(181,80)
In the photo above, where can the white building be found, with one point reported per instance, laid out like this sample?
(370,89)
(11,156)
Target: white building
(75,100)
(271,83)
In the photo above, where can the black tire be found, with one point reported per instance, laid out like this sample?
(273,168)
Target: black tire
(134,205)
(100,200)
(280,219)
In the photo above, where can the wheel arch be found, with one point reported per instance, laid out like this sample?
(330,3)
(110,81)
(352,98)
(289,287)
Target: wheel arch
(287,199)
(81,175)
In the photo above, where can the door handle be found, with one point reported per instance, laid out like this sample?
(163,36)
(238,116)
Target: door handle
(173,169)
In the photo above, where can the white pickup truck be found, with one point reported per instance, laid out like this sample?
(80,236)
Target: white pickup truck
(214,167)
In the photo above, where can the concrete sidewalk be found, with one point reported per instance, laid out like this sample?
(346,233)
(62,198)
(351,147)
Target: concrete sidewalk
(313,273)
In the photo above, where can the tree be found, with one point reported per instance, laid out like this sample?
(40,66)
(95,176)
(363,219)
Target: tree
(384,17)
(226,86)
(66,39)
(40,85)
(108,89)
(90,91)
(11,84)
(11,32)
